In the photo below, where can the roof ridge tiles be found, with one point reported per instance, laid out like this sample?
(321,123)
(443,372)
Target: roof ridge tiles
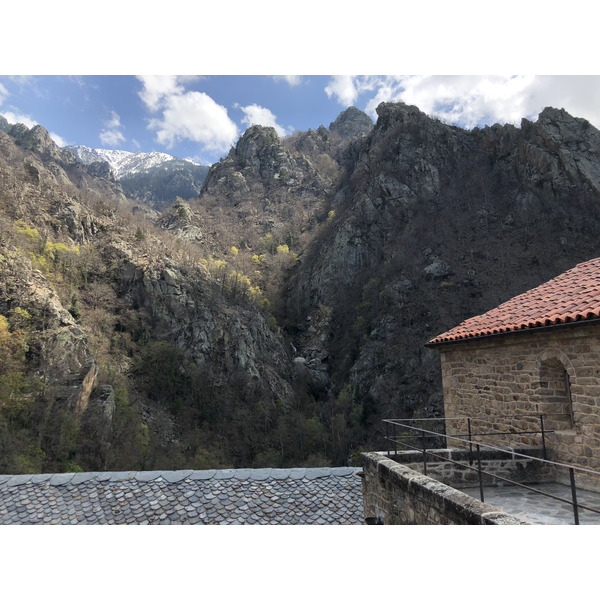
(258,474)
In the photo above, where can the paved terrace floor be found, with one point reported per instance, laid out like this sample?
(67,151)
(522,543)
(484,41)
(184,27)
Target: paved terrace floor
(538,509)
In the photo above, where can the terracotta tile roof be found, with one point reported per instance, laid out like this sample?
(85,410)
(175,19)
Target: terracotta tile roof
(319,496)
(572,296)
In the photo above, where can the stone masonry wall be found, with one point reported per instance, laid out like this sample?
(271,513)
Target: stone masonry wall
(399,495)
(493,462)
(501,379)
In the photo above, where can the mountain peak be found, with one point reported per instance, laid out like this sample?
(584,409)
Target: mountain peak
(155,178)
(351,122)
(123,162)
(254,139)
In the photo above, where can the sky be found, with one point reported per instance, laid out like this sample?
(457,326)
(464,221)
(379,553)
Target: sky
(201,117)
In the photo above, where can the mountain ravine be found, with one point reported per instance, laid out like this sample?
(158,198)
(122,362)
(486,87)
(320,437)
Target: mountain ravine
(275,319)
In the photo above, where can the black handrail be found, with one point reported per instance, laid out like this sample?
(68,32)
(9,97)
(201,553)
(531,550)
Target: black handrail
(424,434)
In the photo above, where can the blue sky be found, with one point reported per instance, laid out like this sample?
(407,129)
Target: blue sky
(189,116)
(200,117)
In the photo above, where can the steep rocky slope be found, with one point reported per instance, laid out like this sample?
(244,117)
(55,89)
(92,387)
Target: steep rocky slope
(274,320)
(434,224)
(121,346)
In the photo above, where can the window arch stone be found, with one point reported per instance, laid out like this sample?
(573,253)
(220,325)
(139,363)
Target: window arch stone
(553,389)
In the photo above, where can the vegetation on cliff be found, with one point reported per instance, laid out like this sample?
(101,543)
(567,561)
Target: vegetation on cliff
(276,318)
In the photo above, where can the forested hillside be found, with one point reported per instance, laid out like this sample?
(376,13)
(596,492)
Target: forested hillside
(277,317)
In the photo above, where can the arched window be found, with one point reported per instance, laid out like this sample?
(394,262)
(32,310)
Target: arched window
(555,399)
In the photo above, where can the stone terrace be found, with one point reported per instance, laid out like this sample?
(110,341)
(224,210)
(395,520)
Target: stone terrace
(320,496)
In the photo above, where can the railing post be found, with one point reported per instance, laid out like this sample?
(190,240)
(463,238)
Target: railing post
(543,434)
(395,440)
(479,473)
(574,495)
(387,438)
(470,444)
(424,455)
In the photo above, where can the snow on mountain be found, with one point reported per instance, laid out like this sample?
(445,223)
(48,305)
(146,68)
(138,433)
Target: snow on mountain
(125,163)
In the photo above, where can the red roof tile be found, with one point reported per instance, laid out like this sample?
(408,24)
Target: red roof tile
(572,296)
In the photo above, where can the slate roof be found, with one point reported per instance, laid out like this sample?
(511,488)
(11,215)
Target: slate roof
(570,297)
(320,496)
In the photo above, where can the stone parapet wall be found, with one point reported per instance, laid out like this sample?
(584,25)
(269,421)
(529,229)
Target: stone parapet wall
(500,379)
(508,464)
(398,495)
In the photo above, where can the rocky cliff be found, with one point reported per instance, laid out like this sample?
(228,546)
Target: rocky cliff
(435,224)
(276,319)
(115,327)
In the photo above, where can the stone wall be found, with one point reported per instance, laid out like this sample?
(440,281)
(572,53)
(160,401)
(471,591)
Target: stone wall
(395,494)
(501,379)
(509,464)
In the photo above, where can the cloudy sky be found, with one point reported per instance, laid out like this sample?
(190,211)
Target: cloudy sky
(77,77)
(200,117)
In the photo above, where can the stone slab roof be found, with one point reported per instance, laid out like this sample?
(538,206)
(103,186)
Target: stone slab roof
(572,296)
(320,496)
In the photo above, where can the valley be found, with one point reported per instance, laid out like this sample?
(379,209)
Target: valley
(273,311)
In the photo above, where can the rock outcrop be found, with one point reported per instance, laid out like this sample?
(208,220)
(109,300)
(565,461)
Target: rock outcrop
(367,239)
(351,123)
(435,224)
(59,350)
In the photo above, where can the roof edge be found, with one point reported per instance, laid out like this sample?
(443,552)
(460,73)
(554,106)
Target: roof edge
(56,479)
(541,327)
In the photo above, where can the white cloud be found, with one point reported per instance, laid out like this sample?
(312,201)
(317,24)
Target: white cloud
(292,80)
(58,140)
(342,86)
(111,138)
(157,88)
(259,115)
(13,117)
(469,101)
(194,116)
(186,115)
(111,135)
(114,122)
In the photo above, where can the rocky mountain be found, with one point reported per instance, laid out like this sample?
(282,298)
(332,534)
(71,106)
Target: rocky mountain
(276,318)
(435,224)
(154,178)
(120,343)
(351,123)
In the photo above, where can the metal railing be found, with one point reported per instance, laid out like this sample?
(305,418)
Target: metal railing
(398,432)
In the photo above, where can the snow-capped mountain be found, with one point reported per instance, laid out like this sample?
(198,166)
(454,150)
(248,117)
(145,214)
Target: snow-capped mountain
(128,163)
(152,177)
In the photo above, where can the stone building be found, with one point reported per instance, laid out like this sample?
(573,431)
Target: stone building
(537,353)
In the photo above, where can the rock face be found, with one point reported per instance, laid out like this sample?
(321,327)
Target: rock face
(260,159)
(351,123)
(368,241)
(229,340)
(268,186)
(62,355)
(435,224)
(40,185)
